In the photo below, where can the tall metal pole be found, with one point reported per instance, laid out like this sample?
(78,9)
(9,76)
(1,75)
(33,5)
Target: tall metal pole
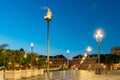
(98,36)
(48,46)
(48,19)
(32,45)
(89,49)
(68,57)
(31,49)
(99,65)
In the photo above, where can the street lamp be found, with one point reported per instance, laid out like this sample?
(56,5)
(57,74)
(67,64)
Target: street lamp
(98,36)
(89,49)
(68,53)
(31,45)
(48,19)
(37,61)
(68,57)
(25,56)
(85,55)
(4,51)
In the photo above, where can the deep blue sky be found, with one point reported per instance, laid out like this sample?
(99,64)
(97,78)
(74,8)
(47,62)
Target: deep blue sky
(72,27)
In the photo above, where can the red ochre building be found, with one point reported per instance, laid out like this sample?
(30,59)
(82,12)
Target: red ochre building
(58,61)
(90,62)
(115,50)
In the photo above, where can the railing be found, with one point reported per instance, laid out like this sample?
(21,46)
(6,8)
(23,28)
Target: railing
(19,74)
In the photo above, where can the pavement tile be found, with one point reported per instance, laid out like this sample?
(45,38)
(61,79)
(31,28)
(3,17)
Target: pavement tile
(79,75)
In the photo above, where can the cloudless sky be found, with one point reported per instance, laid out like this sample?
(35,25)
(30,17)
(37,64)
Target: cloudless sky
(72,27)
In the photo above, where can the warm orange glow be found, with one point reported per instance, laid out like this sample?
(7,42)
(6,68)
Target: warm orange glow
(25,56)
(85,55)
(36,59)
(83,58)
(104,66)
(81,62)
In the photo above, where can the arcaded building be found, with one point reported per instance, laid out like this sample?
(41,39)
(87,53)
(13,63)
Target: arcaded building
(115,50)
(57,61)
(88,62)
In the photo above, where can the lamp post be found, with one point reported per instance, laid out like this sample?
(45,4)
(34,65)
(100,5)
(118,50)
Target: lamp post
(25,56)
(68,57)
(37,61)
(98,36)
(31,45)
(48,19)
(89,49)
(4,51)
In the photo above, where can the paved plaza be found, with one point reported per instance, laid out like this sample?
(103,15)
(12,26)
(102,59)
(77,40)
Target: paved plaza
(79,75)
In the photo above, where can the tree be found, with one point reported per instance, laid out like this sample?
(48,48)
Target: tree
(2,46)
(16,57)
(112,59)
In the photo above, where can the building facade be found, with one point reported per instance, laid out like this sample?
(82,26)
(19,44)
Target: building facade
(58,61)
(84,63)
(80,62)
(115,50)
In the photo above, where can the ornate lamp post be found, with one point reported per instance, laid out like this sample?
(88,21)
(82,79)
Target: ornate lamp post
(31,45)
(89,49)
(25,56)
(98,36)
(48,19)
(37,61)
(68,57)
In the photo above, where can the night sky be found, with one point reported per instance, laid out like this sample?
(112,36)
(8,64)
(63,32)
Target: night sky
(72,27)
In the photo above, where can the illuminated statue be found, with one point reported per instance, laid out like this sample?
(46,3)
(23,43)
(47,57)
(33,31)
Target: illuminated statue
(49,15)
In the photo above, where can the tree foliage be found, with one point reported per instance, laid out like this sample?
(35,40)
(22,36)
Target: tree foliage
(16,59)
(2,46)
(113,59)
(109,59)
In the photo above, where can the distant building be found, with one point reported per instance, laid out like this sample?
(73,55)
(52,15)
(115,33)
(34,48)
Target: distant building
(58,61)
(115,50)
(88,62)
